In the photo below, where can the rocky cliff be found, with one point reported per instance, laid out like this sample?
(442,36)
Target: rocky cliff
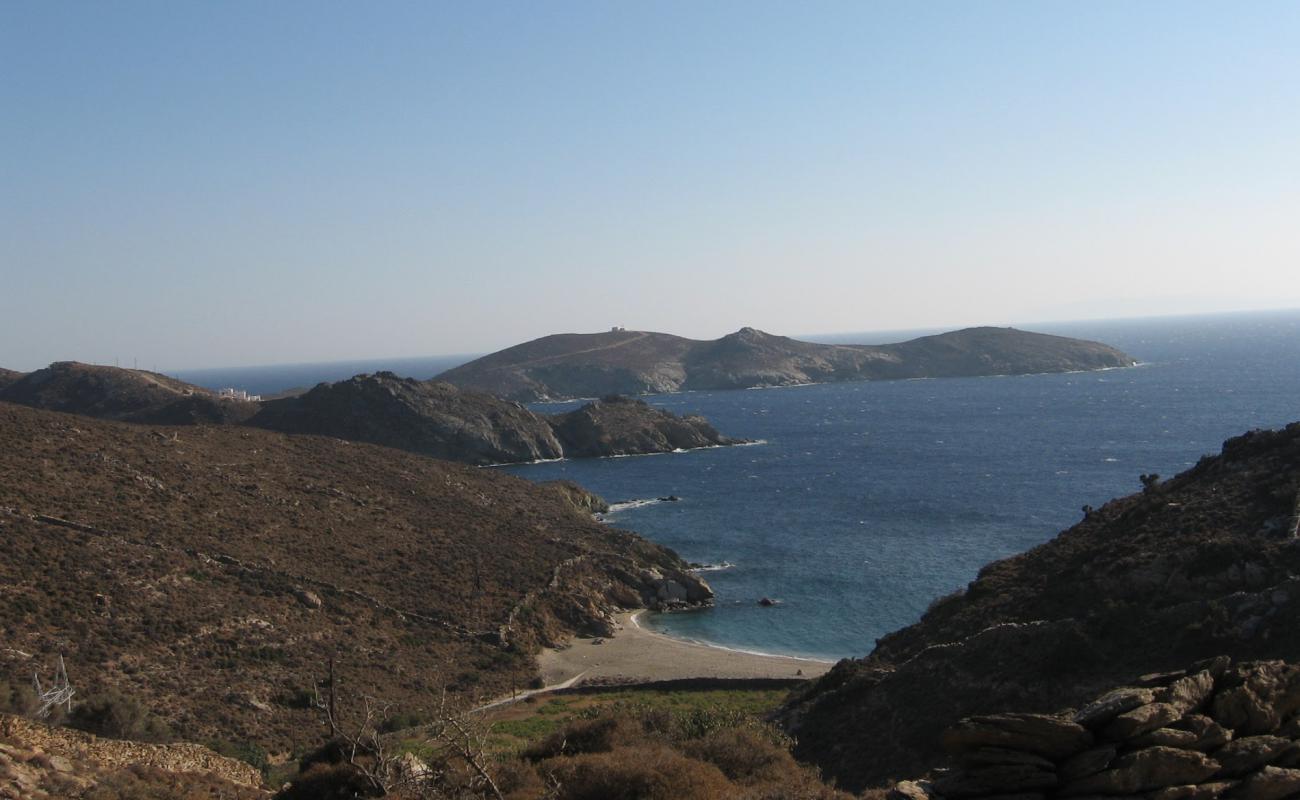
(624,426)
(1188,568)
(441,420)
(1212,730)
(640,362)
(427,417)
(129,395)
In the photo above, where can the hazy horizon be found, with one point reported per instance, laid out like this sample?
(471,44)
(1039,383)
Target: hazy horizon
(200,186)
(867,337)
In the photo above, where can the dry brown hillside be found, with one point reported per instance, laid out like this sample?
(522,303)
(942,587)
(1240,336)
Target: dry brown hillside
(210,572)
(1196,566)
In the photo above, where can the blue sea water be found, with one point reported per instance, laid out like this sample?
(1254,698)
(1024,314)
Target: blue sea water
(866,501)
(275,378)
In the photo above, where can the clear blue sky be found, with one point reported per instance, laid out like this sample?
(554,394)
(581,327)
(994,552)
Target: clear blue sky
(237,183)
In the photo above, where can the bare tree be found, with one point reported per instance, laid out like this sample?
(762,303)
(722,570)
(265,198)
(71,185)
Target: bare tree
(453,736)
(59,694)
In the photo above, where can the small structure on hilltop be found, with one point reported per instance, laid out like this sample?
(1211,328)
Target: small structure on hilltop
(238,394)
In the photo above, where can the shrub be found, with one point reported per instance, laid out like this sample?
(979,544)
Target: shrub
(744,756)
(327,782)
(117,716)
(598,735)
(17,698)
(647,772)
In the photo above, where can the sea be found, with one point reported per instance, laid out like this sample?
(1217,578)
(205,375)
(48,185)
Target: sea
(859,504)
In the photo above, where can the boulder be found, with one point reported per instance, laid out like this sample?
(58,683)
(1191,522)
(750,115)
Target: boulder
(1140,720)
(1111,705)
(1187,694)
(1167,737)
(1241,709)
(1257,697)
(1210,735)
(1196,791)
(1270,783)
(309,598)
(909,790)
(1250,752)
(1051,737)
(1144,770)
(1089,762)
(988,756)
(995,779)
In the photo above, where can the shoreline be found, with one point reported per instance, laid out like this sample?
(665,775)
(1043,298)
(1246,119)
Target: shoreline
(637,654)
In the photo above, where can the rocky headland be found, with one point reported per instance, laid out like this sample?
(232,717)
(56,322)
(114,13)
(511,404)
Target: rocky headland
(1188,568)
(128,395)
(441,420)
(641,362)
(431,418)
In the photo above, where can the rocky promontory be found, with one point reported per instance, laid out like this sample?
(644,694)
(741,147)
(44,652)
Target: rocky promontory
(1186,569)
(426,417)
(128,395)
(441,420)
(644,362)
(625,426)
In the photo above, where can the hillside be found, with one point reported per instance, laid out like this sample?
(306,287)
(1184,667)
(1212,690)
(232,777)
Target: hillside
(440,420)
(426,417)
(638,362)
(8,376)
(1198,565)
(434,419)
(210,572)
(129,395)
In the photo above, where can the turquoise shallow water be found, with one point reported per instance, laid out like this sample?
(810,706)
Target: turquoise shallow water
(869,500)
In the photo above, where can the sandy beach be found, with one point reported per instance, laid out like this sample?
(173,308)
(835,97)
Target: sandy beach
(637,654)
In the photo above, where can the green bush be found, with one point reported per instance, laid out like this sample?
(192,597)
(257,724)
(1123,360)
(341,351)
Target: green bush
(117,716)
(17,698)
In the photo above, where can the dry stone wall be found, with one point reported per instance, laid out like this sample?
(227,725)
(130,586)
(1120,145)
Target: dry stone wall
(1215,730)
(72,744)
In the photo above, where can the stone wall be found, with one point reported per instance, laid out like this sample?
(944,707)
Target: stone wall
(1214,730)
(73,744)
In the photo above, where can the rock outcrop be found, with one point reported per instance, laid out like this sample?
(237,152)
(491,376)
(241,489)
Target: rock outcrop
(440,420)
(38,761)
(640,362)
(426,417)
(1188,568)
(624,426)
(1212,730)
(128,395)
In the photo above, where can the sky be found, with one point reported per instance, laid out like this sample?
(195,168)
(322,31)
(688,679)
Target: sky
(190,185)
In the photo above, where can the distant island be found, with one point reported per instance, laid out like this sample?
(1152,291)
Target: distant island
(570,365)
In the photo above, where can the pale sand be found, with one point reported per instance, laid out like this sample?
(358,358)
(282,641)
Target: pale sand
(638,655)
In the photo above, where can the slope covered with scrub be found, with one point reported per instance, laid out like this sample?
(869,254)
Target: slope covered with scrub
(210,572)
(1189,568)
